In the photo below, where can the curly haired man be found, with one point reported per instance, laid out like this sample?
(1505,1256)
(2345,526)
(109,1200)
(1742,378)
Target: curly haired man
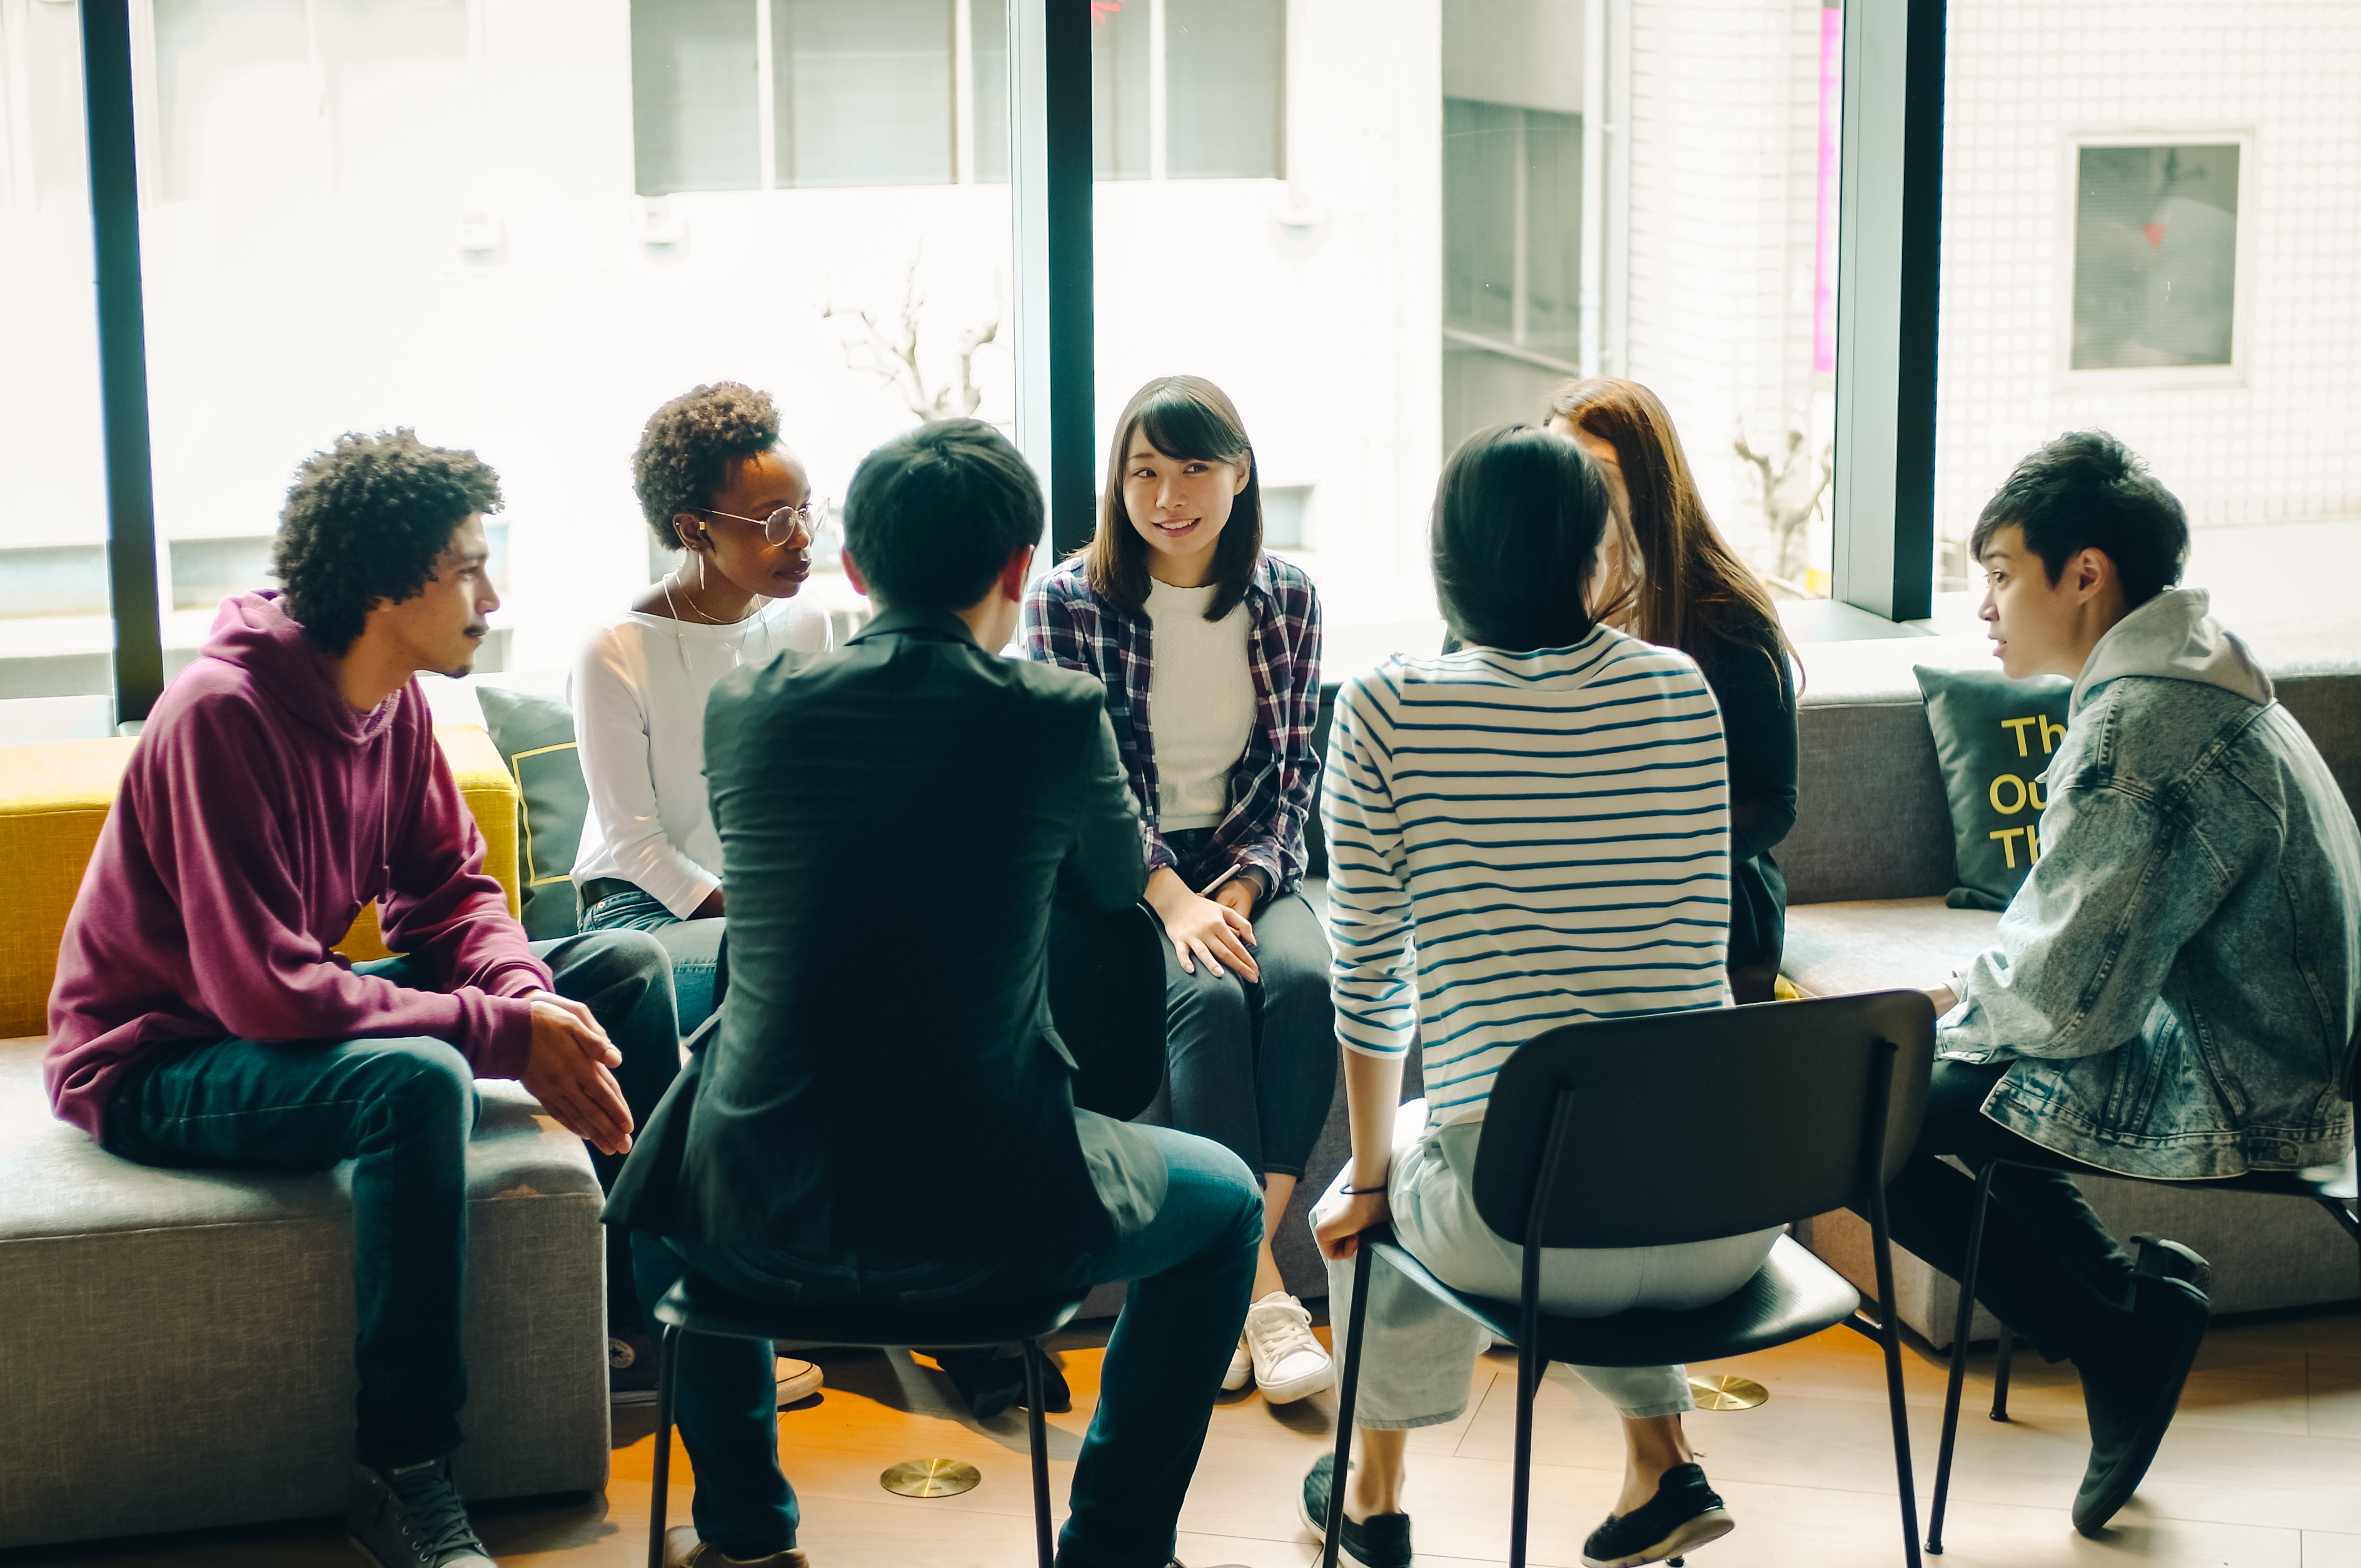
(200,1017)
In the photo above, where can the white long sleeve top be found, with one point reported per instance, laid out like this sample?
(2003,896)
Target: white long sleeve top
(638,692)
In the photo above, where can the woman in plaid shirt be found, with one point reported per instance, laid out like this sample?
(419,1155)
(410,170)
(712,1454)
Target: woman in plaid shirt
(1175,600)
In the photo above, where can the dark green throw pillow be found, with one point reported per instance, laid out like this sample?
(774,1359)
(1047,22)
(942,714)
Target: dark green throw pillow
(535,736)
(1994,736)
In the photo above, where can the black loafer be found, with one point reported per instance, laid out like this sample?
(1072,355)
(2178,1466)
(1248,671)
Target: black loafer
(1683,1515)
(2131,1401)
(1382,1541)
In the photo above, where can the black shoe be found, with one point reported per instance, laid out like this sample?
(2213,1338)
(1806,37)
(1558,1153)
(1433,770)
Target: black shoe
(1683,1515)
(411,1517)
(991,1384)
(1382,1541)
(631,1369)
(2131,1393)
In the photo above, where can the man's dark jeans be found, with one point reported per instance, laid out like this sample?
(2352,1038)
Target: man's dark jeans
(2049,1271)
(402,1110)
(1191,1268)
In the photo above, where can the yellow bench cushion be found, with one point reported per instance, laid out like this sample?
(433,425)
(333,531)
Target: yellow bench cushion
(54,799)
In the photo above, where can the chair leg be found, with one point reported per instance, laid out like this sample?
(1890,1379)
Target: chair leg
(1999,1373)
(1348,1391)
(1036,1438)
(668,1363)
(1890,1338)
(1961,1322)
(1520,1483)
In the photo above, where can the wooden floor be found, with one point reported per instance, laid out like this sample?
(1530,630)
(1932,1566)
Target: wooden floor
(2262,1470)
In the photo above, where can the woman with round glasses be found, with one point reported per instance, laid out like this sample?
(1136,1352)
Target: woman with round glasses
(715,484)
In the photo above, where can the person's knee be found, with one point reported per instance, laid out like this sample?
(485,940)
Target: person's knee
(621,960)
(1209,1014)
(1229,1184)
(425,1085)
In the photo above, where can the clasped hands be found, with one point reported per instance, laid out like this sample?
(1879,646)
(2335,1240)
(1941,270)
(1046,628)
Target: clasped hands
(1214,931)
(570,1071)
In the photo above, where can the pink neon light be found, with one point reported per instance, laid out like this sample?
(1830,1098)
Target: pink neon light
(1824,295)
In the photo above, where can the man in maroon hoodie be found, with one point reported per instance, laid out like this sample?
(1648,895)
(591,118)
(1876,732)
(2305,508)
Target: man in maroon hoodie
(200,1017)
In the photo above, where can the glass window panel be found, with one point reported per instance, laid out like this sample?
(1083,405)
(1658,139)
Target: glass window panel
(865,91)
(696,123)
(238,94)
(1119,40)
(397,72)
(1553,196)
(56,637)
(1480,214)
(990,26)
(2155,233)
(1225,88)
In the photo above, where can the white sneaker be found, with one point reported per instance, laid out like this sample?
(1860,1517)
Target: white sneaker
(797,1380)
(1288,1362)
(1240,1368)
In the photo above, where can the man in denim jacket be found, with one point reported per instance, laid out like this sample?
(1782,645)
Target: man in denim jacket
(2172,993)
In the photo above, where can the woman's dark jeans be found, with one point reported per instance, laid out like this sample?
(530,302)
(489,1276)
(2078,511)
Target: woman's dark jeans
(1253,1064)
(695,946)
(1190,1268)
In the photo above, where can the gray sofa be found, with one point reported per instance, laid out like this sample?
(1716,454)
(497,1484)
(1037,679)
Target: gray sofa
(176,1344)
(1868,864)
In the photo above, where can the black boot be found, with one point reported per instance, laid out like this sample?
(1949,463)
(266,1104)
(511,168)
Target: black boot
(2131,1389)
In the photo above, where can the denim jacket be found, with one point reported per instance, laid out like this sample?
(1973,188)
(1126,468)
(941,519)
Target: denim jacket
(2174,983)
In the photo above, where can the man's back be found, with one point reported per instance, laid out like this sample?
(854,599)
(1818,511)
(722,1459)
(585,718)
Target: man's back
(896,818)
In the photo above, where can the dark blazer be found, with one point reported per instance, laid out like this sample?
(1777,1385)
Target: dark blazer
(884,1077)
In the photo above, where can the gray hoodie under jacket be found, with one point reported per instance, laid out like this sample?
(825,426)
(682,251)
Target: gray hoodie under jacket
(2174,985)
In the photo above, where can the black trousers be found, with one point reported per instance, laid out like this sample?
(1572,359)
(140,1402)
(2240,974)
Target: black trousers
(2049,1271)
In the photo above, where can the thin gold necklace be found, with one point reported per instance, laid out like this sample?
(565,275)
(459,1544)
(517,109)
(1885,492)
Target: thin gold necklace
(751,610)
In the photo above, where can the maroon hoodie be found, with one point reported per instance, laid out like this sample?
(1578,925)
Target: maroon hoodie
(258,814)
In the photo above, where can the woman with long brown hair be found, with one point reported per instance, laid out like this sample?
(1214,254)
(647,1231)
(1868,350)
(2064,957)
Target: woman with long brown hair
(1668,576)
(1177,607)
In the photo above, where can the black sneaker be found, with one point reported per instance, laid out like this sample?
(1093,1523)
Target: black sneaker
(412,1518)
(1382,1541)
(989,1383)
(2131,1391)
(1683,1515)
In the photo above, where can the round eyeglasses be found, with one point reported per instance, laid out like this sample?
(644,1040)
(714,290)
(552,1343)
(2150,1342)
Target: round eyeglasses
(787,521)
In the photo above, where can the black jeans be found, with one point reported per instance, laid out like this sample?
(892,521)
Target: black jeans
(402,1110)
(1253,1064)
(2050,1270)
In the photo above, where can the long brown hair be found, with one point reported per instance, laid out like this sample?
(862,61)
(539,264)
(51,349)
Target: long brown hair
(1694,592)
(1189,418)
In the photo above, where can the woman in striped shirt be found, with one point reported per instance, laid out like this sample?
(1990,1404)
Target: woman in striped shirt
(1531,831)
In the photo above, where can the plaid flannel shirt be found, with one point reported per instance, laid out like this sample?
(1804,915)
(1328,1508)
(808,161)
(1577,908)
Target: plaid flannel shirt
(1271,788)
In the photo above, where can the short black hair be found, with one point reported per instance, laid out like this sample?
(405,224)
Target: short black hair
(1517,517)
(933,514)
(365,521)
(2086,490)
(687,449)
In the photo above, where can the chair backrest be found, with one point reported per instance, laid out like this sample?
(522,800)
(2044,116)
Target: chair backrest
(1684,1126)
(1106,997)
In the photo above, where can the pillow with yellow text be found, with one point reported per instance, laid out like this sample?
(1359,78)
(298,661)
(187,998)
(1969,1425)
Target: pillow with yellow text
(1994,736)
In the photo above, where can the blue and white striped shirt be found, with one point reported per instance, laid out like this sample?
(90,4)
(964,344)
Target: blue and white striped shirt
(1535,838)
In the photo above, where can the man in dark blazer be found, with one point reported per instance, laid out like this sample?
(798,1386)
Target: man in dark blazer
(883,1113)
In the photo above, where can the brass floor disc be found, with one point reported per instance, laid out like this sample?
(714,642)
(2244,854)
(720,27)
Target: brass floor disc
(931,1478)
(1722,1392)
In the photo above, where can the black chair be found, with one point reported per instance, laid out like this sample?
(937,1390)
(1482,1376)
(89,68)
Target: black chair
(1106,997)
(698,1306)
(1784,1110)
(2333,1191)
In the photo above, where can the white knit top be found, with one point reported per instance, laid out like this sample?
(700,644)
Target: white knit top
(1201,703)
(638,692)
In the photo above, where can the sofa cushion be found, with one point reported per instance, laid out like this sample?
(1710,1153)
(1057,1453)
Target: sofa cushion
(54,799)
(1993,738)
(1871,817)
(1880,944)
(534,735)
(187,1335)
